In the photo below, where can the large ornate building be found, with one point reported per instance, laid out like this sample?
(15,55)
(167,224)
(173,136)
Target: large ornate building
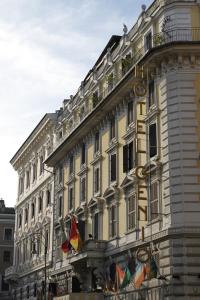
(34,207)
(126,160)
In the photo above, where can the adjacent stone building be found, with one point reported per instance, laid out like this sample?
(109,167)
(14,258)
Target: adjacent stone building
(7,227)
(125,158)
(34,217)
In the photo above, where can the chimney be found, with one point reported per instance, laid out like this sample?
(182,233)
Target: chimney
(2,204)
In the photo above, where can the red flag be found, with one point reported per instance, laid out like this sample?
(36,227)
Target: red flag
(74,238)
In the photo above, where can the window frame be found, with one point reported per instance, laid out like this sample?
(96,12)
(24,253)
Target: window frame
(5,234)
(134,211)
(112,221)
(83,189)
(111,181)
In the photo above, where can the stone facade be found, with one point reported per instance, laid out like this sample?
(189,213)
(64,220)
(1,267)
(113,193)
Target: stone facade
(125,157)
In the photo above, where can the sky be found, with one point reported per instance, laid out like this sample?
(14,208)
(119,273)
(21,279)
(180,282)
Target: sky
(46,49)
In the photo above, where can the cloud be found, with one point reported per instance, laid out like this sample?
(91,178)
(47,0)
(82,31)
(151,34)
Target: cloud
(47,48)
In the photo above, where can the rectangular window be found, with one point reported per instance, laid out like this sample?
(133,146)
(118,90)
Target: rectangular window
(4,284)
(148,41)
(97,142)
(96,180)
(128,157)
(152,140)
(48,194)
(40,204)
(112,221)
(126,64)
(8,234)
(131,212)
(81,229)
(7,256)
(60,206)
(95,99)
(71,164)
(110,81)
(96,226)
(130,112)
(154,200)
(60,174)
(151,87)
(71,194)
(21,185)
(83,189)
(113,169)
(83,154)
(34,172)
(112,129)
(41,165)
(27,179)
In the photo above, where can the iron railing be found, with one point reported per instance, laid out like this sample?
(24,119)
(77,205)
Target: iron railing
(176,35)
(159,39)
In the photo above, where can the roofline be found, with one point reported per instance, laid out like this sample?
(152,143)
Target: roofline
(30,135)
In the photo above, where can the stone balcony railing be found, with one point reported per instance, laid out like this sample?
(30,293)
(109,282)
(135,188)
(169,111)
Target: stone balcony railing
(11,273)
(160,39)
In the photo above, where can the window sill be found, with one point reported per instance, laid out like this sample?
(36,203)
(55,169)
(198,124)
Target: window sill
(131,231)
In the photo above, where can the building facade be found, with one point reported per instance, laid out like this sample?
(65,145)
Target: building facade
(7,227)
(34,217)
(125,156)
(129,158)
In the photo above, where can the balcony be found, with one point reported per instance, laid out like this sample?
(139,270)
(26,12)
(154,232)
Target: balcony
(92,249)
(11,274)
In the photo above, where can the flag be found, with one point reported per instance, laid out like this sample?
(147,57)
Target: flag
(127,278)
(152,269)
(65,246)
(131,265)
(119,277)
(140,274)
(74,238)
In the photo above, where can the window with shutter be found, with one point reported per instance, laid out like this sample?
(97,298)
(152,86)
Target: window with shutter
(113,175)
(152,140)
(112,221)
(83,189)
(154,200)
(151,92)
(130,112)
(131,212)
(125,158)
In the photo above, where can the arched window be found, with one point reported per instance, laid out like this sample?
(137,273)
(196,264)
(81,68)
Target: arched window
(26,215)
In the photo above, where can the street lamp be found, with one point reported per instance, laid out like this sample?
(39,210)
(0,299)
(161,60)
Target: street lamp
(34,251)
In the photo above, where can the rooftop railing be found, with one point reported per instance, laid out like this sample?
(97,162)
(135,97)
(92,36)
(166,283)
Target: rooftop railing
(159,39)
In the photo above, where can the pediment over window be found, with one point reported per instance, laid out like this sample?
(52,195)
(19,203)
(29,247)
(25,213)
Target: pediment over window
(92,202)
(111,191)
(127,181)
(46,220)
(152,166)
(38,226)
(96,202)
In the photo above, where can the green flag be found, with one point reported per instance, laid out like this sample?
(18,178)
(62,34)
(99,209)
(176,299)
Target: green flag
(127,278)
(152,269)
